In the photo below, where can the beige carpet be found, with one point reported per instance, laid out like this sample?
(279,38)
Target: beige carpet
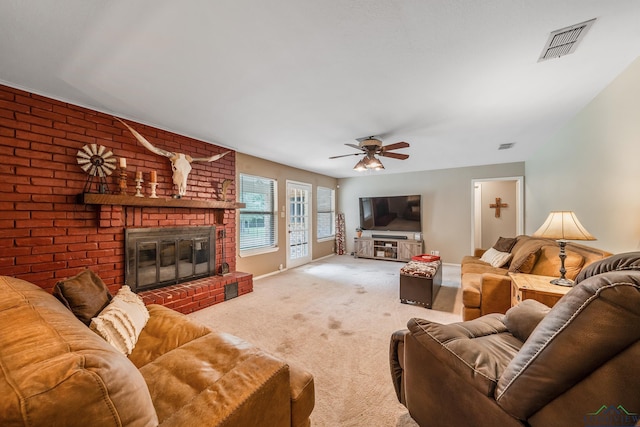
(334,317)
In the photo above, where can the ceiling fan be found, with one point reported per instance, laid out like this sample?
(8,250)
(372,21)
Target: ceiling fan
(369,147)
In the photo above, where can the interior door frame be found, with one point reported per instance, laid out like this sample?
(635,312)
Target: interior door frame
(476,232)
(299,261)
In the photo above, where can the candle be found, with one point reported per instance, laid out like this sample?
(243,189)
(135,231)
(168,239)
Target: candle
(123,163)
(139,175)
(154,176)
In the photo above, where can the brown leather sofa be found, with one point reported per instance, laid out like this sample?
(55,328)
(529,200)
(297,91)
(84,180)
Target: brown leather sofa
(575,364)
(55,371)
(487,289)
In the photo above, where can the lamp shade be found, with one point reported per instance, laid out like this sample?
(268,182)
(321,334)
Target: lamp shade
(563,225)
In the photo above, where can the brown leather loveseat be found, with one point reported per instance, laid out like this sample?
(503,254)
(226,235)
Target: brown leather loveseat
(575,364)
(487,289)
(55,371)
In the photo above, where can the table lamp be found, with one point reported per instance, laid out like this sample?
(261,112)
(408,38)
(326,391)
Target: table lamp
(563,226)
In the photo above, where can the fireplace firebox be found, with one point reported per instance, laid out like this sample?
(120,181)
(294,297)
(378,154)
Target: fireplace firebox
(158,257)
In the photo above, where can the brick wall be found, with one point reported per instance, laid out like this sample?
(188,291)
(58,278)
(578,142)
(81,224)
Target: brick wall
(45,235)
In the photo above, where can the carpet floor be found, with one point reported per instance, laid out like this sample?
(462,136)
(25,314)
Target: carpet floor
(334,318)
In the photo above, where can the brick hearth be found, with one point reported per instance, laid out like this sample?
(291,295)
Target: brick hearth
(197,294)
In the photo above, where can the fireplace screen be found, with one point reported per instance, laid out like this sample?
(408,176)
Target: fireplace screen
(157,257)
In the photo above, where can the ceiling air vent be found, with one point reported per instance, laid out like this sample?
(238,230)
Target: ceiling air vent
(506,146)
(565,41)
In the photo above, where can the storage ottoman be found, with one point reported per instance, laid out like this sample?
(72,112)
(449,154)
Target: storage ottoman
(420,282)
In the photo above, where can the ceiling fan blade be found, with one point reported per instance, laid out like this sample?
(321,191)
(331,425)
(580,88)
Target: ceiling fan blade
(395,155)
(346,155)
(357,147)
(395,146)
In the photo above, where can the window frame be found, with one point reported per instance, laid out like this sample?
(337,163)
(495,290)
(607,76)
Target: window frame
(272,246)
(331,211)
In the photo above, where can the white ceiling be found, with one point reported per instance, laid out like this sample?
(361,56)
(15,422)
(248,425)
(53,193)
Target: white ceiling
(294,80)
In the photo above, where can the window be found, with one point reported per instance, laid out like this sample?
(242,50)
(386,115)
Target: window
(258,218)
(326,214)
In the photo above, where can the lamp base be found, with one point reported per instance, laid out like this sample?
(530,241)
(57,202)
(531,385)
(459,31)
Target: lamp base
(562,281)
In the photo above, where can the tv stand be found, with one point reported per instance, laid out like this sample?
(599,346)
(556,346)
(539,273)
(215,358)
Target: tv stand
(387,248)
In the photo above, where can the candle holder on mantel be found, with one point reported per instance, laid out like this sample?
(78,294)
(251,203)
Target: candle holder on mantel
(139,182)
(123,180)
(153,186)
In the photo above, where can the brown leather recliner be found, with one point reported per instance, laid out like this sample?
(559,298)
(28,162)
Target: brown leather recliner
(575,364)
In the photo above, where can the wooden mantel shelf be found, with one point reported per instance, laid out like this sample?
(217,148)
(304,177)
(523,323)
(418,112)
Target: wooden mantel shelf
(160,202)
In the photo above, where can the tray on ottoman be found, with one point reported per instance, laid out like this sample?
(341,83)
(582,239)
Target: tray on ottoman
(420,282)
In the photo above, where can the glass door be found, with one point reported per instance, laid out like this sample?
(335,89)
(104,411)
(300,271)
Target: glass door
(298,223)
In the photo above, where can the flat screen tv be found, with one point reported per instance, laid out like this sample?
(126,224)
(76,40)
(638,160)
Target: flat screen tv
(391,213)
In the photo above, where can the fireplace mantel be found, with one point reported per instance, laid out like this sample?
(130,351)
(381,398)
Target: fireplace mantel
(160,202)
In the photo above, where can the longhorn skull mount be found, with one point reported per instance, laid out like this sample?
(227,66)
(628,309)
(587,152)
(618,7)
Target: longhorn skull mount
(180,162)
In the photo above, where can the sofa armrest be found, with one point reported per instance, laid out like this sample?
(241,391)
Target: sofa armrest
(496,293)
(302,396)
(396,362)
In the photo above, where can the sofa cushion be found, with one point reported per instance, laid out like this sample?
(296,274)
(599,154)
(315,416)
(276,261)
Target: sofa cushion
(525,253)
(85,294)
(548,263)
(121,322)
(495,257)
(482,268)
(166,330)
(219,376)
(505,244)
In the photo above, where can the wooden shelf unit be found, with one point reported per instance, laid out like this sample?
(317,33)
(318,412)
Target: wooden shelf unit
(389,249)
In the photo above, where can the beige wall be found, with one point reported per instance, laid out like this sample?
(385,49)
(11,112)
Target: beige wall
(592,167)
(446,202)
(269,262)
(505,225)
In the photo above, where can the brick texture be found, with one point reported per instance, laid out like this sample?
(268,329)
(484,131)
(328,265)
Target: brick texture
(45,235)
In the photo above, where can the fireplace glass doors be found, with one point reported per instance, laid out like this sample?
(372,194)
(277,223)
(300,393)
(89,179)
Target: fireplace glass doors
(157,257)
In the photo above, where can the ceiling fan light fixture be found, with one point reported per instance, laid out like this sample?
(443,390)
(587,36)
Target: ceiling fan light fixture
(360,166)
(371,162)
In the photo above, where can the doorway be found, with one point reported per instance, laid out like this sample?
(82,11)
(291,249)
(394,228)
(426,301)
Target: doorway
(497,210)
(298,223)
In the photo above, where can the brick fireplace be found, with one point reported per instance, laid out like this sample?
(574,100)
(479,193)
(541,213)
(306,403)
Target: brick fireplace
(47,233)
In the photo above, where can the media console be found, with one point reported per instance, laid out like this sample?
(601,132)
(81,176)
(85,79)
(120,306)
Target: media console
(390,248)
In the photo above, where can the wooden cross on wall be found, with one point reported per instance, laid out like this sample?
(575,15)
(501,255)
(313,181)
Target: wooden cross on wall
(497,205)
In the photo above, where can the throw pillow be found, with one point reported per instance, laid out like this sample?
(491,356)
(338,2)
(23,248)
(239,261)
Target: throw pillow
(121,322)
(495,258)
(84,294)
(505,244)
(526,264)
(523,318)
